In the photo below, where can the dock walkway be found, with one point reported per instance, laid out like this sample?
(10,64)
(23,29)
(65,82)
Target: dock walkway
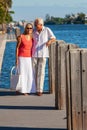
(29,112)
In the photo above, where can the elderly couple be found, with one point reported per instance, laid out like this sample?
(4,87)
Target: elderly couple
(31,55)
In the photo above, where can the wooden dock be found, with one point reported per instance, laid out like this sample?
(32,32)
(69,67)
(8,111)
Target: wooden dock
(28,112)
(11,37)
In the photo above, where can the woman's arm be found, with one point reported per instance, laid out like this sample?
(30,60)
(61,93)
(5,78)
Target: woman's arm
(17,47)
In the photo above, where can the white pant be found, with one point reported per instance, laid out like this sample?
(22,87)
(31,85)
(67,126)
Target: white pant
(39,72)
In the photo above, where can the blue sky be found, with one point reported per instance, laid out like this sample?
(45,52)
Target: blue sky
(31,9)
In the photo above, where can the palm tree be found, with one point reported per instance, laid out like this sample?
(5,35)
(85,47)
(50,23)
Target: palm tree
(5,6)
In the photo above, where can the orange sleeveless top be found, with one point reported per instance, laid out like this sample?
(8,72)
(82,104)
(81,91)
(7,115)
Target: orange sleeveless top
(25,48)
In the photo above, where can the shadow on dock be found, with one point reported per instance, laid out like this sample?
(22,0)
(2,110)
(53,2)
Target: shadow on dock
(27,107)
(8,92)
(29,128)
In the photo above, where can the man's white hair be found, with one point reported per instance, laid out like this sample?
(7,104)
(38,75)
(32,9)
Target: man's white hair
(39,21)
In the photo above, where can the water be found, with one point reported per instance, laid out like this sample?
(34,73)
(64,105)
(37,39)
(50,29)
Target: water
(76,34)
(8,62)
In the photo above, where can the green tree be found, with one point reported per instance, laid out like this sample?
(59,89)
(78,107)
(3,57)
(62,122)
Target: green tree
(5,5)
(5,14)
(53,20)
(80,18)
(1,14)
(47,17)
(68,19)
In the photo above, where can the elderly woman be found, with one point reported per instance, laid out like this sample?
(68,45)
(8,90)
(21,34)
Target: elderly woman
(26,83)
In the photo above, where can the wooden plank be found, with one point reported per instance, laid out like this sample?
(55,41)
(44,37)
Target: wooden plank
(68,92)
(53,60)
(56,77)
(61,42)
(73,46)
(84,87)
(60,73)
(60,94)
(50,71)
(52,67)
(64,49)
(75,87)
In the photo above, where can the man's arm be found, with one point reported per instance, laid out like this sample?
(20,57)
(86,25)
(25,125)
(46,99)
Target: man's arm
(51,37)
(50,41)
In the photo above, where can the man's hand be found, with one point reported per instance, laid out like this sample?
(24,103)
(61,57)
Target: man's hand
(50,41)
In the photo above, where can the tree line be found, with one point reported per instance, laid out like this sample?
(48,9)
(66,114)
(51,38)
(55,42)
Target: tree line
(79,18)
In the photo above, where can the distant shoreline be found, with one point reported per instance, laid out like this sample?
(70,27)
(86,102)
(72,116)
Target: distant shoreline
(65,24)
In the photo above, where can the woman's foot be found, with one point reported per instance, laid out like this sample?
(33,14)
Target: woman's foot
(26,94)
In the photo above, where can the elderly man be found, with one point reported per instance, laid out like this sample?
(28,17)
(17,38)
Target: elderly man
(43,37)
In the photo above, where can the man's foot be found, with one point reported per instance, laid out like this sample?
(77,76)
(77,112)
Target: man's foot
(39,93)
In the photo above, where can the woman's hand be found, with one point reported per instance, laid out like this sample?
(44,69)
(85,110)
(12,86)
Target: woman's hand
(16,63)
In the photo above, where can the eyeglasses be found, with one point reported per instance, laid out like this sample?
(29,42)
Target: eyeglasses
(29,28)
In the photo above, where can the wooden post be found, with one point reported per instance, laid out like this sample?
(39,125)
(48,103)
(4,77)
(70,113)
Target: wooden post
(68,96)
(51,63)
(52,67)
(74,90)
(60,84)
(84,87)
(60,74)
(77,89)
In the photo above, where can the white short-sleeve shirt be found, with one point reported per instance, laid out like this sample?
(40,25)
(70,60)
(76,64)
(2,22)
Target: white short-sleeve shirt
(40,39)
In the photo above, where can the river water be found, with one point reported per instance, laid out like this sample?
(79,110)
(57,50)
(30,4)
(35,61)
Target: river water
(76,34)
